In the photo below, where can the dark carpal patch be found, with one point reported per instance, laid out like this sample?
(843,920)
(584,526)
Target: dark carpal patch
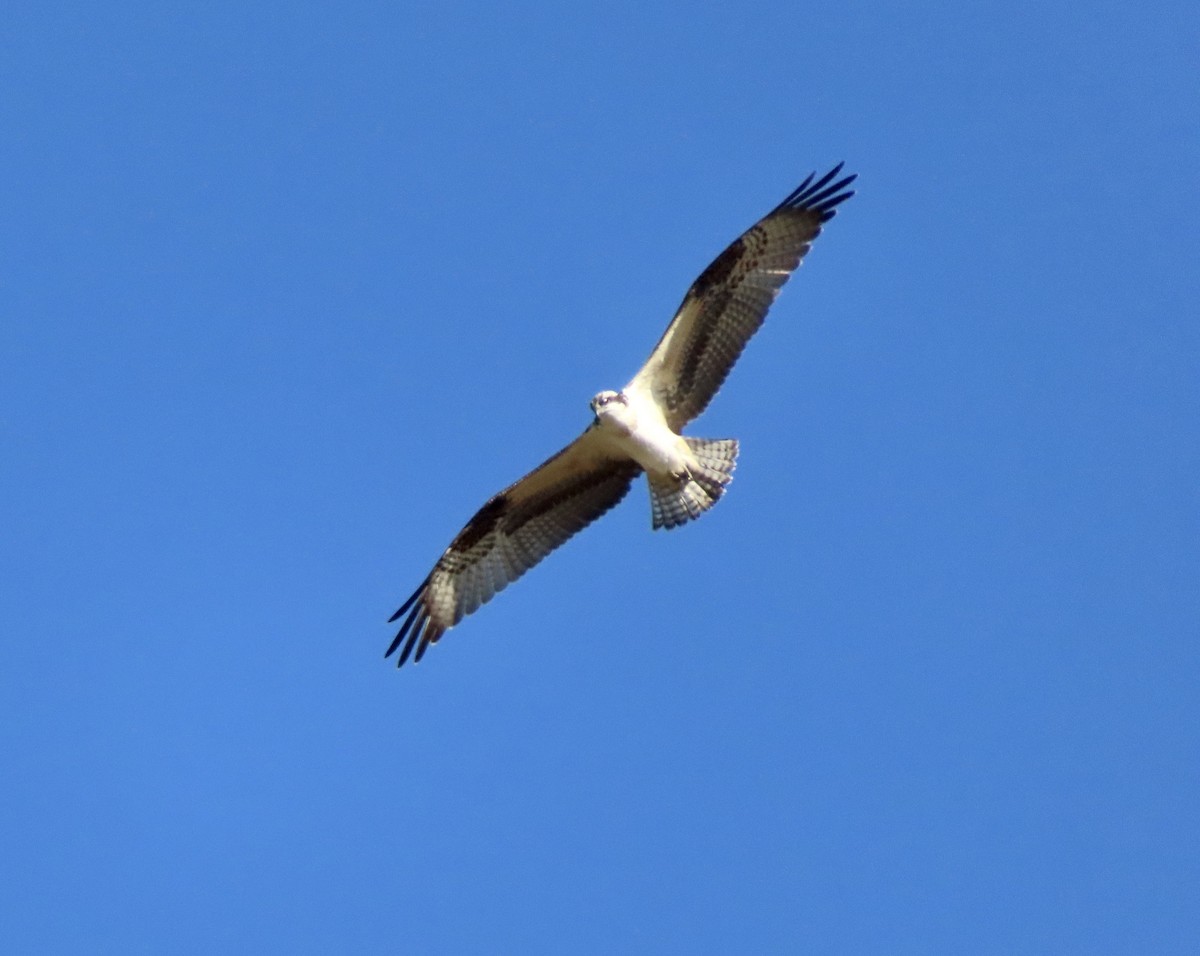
(482,524)
(719,269)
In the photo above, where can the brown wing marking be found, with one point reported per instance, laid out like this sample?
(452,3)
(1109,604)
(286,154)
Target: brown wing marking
(509,535)
(728,302)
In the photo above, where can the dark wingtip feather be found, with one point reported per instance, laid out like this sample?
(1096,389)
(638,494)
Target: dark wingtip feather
(822,196)
(408,645)
(416,617)
(798,190)
(431,635)
(409,603)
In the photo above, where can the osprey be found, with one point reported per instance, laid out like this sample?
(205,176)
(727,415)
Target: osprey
(634,430)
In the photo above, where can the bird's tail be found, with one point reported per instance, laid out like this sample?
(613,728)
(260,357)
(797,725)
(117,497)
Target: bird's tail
(676,501)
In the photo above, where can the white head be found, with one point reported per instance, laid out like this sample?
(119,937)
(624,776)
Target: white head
(610,405)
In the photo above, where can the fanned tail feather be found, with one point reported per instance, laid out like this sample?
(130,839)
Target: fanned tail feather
(674,502)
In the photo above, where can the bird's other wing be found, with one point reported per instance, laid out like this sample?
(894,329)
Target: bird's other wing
(730,299)
(510,534)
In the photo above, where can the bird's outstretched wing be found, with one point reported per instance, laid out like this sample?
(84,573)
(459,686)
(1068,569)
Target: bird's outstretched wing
(510,534)
(730,299)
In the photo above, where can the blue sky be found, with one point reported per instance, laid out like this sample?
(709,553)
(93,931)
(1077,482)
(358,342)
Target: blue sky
(286,293)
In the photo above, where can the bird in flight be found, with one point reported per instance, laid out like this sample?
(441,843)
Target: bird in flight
(634,430)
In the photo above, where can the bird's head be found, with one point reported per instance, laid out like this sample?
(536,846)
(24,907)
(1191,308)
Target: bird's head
(606,401)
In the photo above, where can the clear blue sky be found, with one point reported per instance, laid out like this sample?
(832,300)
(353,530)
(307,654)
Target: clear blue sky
(286,293)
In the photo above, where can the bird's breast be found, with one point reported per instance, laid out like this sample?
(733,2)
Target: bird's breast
(657,449)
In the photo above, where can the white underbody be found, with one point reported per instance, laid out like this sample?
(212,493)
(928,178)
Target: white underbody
(636,428)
